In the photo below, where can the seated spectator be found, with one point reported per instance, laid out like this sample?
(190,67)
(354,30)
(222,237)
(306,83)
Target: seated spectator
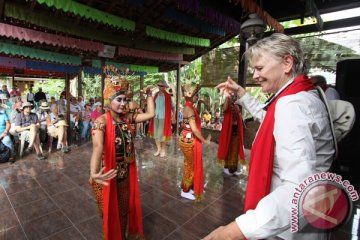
(16,110)
(86,120)
(15,92)
(43,113)
(81,102)
(4,132)
(27,125)
(5,91)
(6,103)
(62,107)
(206,117)
(53,104)
(92,101)
(57,128)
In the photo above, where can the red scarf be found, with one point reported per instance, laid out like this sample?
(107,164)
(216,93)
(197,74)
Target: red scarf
(167,121)
(198,163)
(225,134)
(262,151)
(111,221)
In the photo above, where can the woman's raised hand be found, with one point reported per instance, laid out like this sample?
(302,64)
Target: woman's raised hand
(230,87)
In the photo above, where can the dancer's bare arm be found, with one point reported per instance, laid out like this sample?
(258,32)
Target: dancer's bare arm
(96,172)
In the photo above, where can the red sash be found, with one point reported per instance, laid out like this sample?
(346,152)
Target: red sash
(167,120)
(262,151)
(198,163)
(111,221)
(225,134)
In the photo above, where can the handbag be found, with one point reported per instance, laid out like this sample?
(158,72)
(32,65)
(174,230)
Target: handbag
(4,153)
(341,117)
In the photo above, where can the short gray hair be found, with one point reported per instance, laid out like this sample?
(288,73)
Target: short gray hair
(279,45)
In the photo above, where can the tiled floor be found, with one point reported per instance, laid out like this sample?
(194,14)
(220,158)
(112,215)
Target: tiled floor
(52,199)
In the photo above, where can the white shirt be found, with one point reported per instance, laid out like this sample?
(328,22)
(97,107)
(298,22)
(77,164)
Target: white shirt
(303,146)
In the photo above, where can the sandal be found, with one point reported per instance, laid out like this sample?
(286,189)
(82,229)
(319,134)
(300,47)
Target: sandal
(40,157)
(65,150)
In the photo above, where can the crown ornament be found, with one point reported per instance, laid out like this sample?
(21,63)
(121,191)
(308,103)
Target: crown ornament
(115,83)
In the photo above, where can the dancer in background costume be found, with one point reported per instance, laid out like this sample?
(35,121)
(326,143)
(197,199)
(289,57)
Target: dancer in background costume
(231,142)
(190,141)
(113,165)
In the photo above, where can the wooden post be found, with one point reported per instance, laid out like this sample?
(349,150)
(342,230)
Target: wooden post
(67,94)
(178,87)
(102,81)
(142,103)
(242,64)
(80,81)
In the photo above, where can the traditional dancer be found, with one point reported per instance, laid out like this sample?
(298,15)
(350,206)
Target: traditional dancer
(113,165)
(231,142)
(190,142)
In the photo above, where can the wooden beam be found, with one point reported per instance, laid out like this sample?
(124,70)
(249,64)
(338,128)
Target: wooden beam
(311,7)
(147,12)
(348,22)
(2,4)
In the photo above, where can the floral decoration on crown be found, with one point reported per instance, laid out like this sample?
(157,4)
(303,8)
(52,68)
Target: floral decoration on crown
(115,82)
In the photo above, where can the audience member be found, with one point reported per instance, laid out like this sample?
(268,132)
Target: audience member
(160,125)
(97,111)
(330,91)
(5,91)
(86,121)
(4,132)
(15,92)
(40,95)
(206,117)
(30,96)
(43,113)
(27,125)
(57,128)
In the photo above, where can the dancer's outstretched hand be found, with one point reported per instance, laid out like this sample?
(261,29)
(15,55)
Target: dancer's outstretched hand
(102,177)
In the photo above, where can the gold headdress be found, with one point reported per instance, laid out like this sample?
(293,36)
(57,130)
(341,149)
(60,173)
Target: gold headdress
(189,90)
(115,84)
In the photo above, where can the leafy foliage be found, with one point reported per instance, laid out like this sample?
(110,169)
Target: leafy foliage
(53,87)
